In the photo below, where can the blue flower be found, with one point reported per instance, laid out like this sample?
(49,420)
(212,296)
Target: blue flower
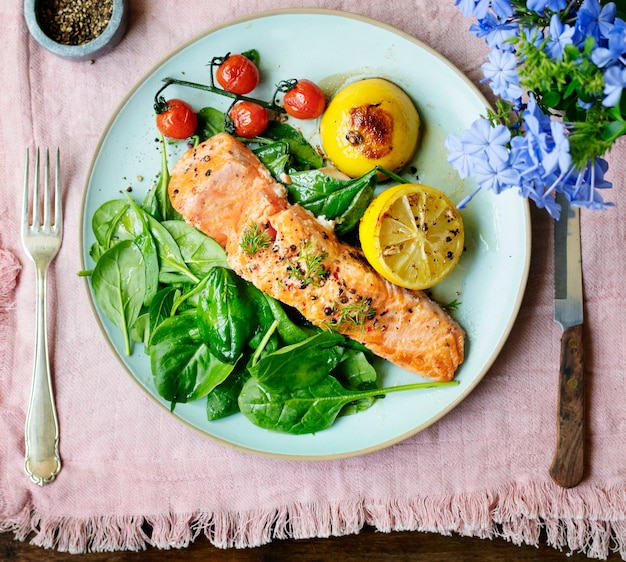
(486,142)
(582,192)
(559,36)
(501,70)
(496,177)
(615,49)
(502,8)
(523,158)
(460,160)
(546,201)
(484,26)
(500,36)
(536,122)
(559,156)
(533,35)
(540,5)
(595,20)
(607,20)
(584,104)
(466,7)
(497,33)
(477,8)
(614,83)
(531,150)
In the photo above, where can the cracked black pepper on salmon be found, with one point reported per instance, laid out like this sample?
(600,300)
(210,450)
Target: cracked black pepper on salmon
(221,188)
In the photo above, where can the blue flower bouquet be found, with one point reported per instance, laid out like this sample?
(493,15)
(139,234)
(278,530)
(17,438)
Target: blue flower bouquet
(558,68)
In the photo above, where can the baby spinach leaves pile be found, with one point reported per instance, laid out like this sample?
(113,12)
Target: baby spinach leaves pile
(211,335)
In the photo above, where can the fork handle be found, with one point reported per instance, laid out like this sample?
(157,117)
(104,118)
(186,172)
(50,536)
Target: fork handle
(42,461)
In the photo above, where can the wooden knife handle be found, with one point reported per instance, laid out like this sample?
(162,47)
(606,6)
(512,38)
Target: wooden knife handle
(568,463)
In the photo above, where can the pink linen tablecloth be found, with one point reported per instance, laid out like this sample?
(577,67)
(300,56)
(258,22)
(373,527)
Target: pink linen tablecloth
(482,470)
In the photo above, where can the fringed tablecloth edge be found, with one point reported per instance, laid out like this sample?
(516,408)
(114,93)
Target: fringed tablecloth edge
(517,513)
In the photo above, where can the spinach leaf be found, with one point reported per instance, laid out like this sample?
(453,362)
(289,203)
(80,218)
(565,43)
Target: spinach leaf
(182,366)
(299,411)
(307,409)
(343,201)
(140,331)
(275,157)
(216,373)
(188,297)
(300,365)
(225,318)
(106,219)
(119,286)
(113,222)
(304,156)
(199,251)
(146,244)
(173,278)
(264,320)
(253,55)
(355,372)
(289,148)
(289,331)
(222,400)
(160,308)
(210,122)
(157,201)
(293,390)
(170,256)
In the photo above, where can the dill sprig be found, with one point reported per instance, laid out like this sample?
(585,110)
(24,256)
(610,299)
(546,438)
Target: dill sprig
(254,239)
(452,305)
(308,267)
(351,315)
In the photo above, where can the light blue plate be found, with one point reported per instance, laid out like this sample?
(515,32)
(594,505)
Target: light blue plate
(489,281)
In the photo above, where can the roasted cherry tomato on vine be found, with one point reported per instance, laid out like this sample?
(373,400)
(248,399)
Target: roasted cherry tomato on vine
(237,74)
(305,101)
(250,119)
(178,121)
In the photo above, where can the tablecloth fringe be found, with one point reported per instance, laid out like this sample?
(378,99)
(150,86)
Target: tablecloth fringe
(594,522)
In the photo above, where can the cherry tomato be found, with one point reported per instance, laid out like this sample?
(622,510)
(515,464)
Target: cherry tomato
(178,121)
(305,101)
(250,119)
(238,74)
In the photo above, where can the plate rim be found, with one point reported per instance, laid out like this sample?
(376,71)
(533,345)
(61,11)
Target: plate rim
(517,302)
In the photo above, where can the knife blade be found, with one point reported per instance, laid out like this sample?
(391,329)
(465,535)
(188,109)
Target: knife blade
(568,462)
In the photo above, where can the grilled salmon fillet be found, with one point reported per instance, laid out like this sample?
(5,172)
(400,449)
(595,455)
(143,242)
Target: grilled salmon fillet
(221,188)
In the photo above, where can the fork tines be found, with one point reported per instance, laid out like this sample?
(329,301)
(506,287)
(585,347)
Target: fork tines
(39,204)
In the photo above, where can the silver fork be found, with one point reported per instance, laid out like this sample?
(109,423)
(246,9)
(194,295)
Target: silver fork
(41,238)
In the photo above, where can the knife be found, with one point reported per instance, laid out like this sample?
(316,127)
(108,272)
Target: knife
(568,463)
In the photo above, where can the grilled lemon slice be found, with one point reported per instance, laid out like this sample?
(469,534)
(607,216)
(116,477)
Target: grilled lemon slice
(412,235)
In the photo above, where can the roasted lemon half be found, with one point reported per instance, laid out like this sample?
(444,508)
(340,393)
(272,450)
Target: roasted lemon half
(368,123)
(412,235)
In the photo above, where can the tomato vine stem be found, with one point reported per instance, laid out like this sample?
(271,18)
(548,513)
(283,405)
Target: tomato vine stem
(159,100)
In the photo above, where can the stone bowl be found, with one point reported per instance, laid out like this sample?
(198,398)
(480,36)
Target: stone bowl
(101,45)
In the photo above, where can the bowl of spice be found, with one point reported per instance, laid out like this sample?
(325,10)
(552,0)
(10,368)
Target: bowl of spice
(77,29)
